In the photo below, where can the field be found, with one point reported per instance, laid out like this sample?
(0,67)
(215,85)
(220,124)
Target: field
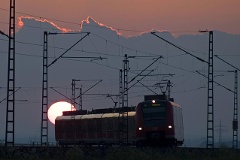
(117,153)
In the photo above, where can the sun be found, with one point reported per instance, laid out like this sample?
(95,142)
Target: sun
(57,108)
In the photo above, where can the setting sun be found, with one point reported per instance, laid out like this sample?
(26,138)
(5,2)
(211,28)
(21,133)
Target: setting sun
(57,108)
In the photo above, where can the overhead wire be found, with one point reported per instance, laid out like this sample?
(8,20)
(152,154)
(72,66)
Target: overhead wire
(107,41)
(40,45)
(114,43)
(88,25)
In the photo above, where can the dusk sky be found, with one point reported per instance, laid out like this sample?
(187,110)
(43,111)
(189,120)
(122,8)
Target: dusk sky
(130,18)
(178,17)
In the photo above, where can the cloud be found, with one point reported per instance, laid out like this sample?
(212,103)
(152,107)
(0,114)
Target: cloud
(21,21)
(88,23)
(91,22)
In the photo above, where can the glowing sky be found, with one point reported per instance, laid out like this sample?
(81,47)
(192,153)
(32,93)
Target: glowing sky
(139,15)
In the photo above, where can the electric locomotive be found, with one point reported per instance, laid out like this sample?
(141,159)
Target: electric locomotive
(155,121)
(159,121)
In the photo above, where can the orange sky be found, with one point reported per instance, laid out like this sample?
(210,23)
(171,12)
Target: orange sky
(141,15)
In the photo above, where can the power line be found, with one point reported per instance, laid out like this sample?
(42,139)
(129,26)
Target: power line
(227,62)
(230,55)
(60,48)
(132,49)
(27,43)
(2,33)
(144,69)
(85,51)
(216,83)
(99,37)
(68,49)
(148,53)
(180,48)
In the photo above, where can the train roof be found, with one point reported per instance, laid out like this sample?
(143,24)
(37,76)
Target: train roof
(158,97)
(99,111)
(93,116)
(160,101)
(112,110)
(90,116)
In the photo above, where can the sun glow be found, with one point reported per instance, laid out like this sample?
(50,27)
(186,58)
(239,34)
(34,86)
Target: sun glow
(57,108)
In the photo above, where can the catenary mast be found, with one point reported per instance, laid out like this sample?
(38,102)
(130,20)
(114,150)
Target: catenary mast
(10,115)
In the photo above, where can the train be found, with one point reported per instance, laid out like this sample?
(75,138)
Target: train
(156,121)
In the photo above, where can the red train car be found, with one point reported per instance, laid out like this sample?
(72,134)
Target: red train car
(92,129)
(159,122)
(155,121)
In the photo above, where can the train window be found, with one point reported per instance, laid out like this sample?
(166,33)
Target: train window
(154,116)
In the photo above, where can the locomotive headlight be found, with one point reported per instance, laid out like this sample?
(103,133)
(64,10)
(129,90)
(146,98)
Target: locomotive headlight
(169,126)
(153,101)
(140,128)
